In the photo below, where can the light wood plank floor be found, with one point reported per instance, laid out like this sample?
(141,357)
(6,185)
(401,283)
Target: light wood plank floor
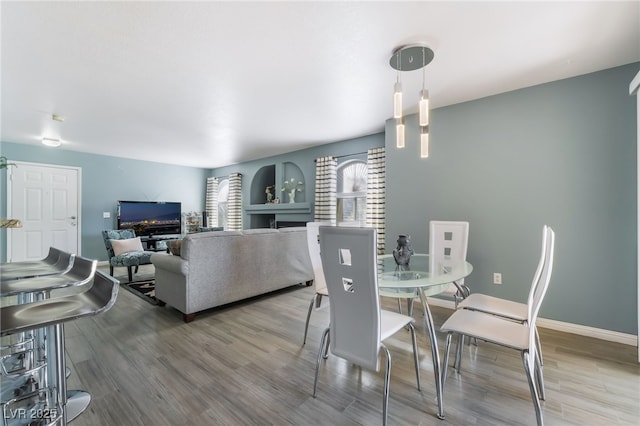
(245,365)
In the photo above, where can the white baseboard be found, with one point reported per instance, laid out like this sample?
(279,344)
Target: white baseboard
(582,330)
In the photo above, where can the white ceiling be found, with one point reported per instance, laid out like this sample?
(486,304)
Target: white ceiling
(208,84)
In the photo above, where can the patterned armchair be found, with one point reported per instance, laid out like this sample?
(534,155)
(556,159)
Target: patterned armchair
(129,259)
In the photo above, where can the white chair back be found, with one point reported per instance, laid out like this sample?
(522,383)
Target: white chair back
(349,263)
(541,263)
(447,243)
(313,243)
(539,289)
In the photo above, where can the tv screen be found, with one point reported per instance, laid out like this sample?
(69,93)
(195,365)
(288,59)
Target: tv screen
(150,218)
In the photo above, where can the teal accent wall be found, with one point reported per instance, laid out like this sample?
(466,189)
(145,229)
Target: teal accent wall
(105,180)
(562,154)
(305,161)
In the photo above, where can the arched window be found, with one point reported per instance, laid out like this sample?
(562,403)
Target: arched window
(223,203)
(351,195)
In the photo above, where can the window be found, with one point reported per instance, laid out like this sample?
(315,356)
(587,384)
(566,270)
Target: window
(223,203)
(351,193)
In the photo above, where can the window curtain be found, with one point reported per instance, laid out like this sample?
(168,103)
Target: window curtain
(325,207)
(235,202)
(376,188)
(211,202)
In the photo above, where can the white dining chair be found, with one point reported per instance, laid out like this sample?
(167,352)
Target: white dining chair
(320,284)
(507,333)
(358,327)
(448,242)
(508,309)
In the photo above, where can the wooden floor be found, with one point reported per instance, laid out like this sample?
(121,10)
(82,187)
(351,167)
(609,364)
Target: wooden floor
(245,365)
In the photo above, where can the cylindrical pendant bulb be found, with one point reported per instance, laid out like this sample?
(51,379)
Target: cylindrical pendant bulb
(423,108)
(397,100)
(424,144)
(399,134)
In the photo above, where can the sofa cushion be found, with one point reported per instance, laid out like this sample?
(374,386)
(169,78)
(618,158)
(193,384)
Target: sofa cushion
(126,245)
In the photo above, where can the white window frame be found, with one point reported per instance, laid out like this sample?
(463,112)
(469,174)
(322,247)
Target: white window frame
(360,195)
(223,203)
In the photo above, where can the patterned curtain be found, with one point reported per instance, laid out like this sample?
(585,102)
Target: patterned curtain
(376,188)
(325,208)
(235,202)
(211,202)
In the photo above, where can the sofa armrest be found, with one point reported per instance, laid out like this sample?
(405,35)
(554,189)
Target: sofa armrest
(170,263)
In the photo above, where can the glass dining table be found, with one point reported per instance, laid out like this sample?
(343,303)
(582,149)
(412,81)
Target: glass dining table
(427,279)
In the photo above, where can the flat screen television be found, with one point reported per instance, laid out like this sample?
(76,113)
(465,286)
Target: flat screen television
(150,218)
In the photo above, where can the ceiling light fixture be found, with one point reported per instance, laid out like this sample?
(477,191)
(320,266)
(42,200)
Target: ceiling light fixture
(412,57)
(51,142)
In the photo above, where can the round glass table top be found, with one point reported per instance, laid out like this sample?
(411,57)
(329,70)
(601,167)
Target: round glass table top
(421,272)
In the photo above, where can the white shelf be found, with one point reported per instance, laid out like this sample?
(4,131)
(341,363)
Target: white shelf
(282,208)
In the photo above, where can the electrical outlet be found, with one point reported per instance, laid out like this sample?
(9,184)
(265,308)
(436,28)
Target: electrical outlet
(106,215)
(497,278)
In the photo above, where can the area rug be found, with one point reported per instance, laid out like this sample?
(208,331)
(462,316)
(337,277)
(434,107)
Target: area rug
(143,289)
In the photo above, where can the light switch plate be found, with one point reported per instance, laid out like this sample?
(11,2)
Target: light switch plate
(106,215)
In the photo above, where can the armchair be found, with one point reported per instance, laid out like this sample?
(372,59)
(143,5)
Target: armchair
(128,259)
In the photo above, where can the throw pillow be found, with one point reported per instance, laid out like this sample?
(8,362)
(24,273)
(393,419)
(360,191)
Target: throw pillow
(174,247)
(126,245)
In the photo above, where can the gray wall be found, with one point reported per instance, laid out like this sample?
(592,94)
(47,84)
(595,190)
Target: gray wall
(105,180)
(562,154)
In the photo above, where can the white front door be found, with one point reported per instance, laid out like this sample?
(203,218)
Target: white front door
(45,199)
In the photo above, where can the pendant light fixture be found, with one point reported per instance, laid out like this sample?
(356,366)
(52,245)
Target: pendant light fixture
(397,106)
(410,58)
(423,113)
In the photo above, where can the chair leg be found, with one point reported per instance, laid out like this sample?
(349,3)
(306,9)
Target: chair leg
(385,395)
(539,378)
(539,347)
(306,324)
(416,359)
(111,270)
(410,307)
(459,346)
(325,334)
(445,361)
(399,306)
(325,355)
(130,273)
(532,389)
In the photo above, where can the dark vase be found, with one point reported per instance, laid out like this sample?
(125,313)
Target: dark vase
(402,253)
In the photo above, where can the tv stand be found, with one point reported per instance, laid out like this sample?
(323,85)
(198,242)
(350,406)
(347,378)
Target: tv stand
(151,242)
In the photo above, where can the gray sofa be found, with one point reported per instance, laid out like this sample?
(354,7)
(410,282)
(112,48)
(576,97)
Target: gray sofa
(216,268)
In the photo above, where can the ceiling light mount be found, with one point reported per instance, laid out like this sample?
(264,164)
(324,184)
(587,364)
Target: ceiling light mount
(411,57)
(51,142)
